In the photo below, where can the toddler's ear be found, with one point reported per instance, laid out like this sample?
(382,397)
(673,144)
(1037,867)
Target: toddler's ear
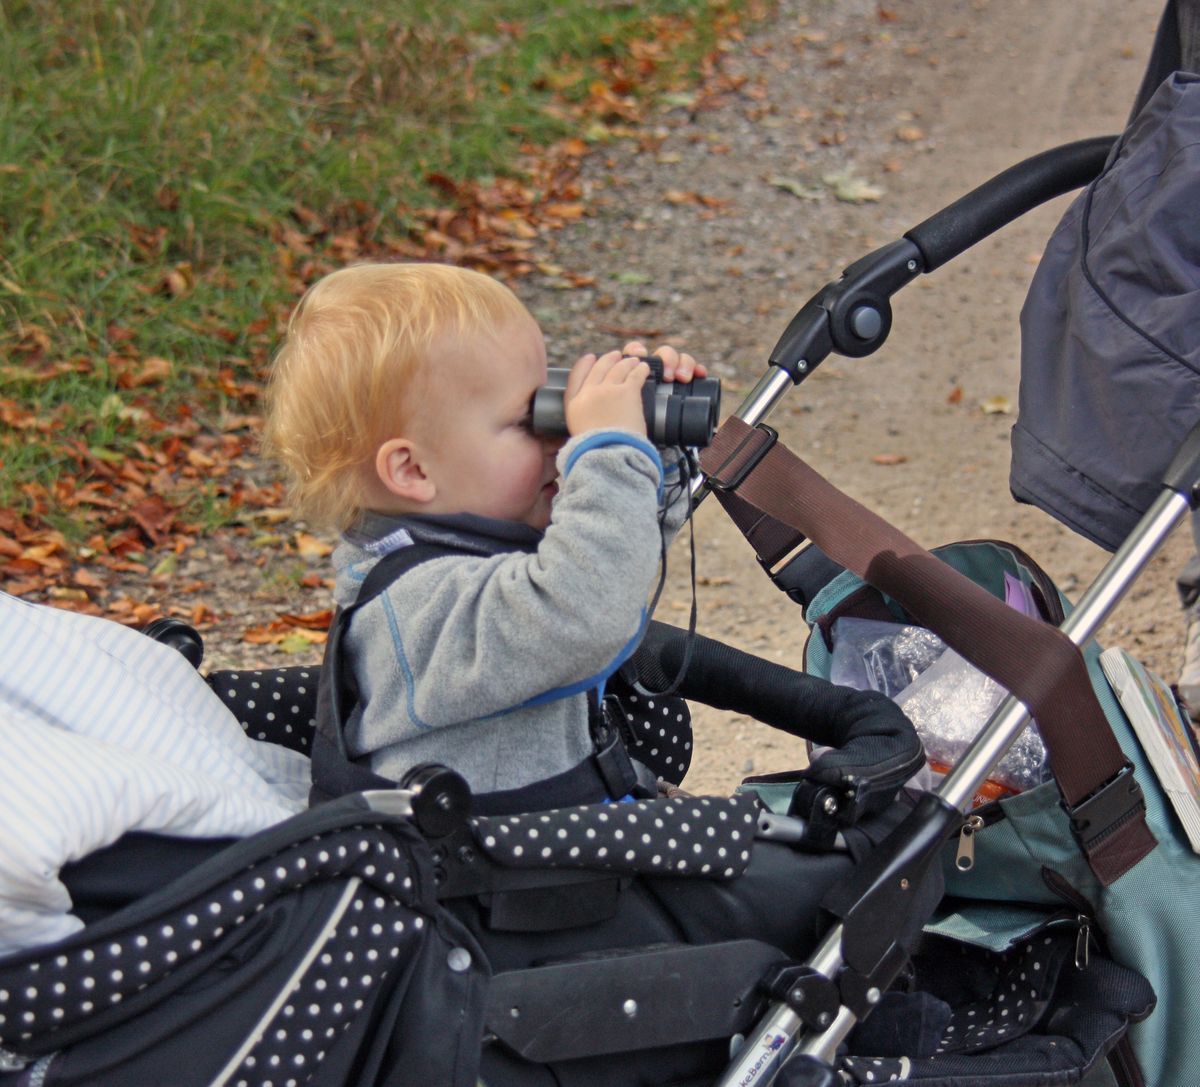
(398,465)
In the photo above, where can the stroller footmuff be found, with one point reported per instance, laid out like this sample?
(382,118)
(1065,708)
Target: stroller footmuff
(314,952)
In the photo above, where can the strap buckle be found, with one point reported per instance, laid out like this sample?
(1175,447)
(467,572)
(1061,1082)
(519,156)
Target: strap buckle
(769,435)
(1109,808)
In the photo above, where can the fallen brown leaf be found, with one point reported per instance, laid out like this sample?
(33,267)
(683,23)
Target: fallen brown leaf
(565,211)
(310,547)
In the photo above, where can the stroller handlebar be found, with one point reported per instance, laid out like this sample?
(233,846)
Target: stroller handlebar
(852,316)
(1008,196)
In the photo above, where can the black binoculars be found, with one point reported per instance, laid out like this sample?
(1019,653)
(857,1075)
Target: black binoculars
(678,413)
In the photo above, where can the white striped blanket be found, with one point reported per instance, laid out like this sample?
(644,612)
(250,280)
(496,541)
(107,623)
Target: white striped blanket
(104,731)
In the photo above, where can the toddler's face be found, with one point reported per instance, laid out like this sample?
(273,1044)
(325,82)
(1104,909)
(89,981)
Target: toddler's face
(482,455)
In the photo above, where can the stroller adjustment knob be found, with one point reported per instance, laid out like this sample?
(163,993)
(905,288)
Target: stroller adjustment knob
(866,322)
(441,799)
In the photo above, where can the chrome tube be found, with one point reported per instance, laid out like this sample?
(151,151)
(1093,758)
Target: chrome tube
(759,403)
(764,1051)
(959,787)
(768,1048)
(765,395)
(1094,607)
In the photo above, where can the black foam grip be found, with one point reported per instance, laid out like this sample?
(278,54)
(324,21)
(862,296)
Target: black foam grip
(1007,196)
(868,729)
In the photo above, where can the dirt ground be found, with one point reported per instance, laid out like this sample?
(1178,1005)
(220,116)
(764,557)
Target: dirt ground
(712,231)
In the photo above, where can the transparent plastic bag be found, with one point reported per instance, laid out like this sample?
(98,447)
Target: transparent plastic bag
(946,698)
(871,655)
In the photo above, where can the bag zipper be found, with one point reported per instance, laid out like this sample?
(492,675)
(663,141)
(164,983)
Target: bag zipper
(964,859)
(983,816)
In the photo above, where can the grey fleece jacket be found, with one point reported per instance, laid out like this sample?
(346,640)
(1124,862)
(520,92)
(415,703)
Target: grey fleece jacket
(481,661)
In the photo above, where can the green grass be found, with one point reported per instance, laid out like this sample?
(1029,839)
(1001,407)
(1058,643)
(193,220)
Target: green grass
(155,158)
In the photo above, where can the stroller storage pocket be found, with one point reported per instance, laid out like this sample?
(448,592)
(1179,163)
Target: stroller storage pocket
(1026,852)
(1000,998)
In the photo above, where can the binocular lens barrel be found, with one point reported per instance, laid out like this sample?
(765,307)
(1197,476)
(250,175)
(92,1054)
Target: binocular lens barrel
(677,413)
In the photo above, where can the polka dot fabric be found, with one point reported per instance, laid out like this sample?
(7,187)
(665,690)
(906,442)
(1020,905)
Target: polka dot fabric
(85,975)
(661,733)
(1019,985)
(375,932)
(708,837)
(278,705)
(1025,980)
(869,1070)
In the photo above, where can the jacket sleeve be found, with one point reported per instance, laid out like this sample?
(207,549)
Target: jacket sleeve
(471,637)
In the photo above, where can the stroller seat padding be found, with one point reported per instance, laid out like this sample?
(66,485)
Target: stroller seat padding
(708,837)
(120,960)
(277,705)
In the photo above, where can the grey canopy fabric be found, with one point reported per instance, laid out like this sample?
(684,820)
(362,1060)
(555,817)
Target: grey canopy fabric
(1110,330)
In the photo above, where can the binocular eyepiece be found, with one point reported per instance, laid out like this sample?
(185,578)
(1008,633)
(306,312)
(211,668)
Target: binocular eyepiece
(677,413)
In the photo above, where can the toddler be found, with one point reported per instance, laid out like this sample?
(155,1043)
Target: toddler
(400,406)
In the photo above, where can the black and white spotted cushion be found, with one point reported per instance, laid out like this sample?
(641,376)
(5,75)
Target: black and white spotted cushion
(278,705)
(373,932)
(1025,980)
(868,1071)
(708,837)
(662,733)
(42,993)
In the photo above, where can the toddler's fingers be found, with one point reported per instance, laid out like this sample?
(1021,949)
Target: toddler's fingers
(579,373)
(680,367)
(670,361)
(689,369)
(603,367)
(630,370)
(634,347)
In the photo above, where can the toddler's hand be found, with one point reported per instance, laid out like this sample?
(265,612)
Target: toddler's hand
(606,393)
(676,367)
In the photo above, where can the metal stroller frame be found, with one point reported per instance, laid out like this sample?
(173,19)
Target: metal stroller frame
(852,317)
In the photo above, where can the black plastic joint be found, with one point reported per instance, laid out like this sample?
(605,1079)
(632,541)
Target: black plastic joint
(811,995)
(805,1070)
(1118,801)
(861,992)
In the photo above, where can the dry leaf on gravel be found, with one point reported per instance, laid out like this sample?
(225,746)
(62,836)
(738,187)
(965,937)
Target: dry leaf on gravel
(797,188)
(851,189)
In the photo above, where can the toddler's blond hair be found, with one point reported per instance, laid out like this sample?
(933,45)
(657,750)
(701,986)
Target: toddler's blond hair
(354,367)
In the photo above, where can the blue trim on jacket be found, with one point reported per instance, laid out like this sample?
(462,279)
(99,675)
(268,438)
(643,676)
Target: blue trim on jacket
(602,438)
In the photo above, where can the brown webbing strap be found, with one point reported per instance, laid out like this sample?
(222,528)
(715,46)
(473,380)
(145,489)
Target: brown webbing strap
(1034,660)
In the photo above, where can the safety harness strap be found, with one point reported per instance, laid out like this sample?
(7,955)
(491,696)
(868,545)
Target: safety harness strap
(608,773)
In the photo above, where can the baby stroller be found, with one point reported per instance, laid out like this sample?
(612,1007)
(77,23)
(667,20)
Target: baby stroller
(326,950)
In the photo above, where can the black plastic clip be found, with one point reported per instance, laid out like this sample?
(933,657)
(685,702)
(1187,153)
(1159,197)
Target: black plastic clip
(1109,808)
(771,436)
(810,994)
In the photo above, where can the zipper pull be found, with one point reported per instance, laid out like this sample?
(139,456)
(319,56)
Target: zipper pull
(964,861)
(1083,940)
